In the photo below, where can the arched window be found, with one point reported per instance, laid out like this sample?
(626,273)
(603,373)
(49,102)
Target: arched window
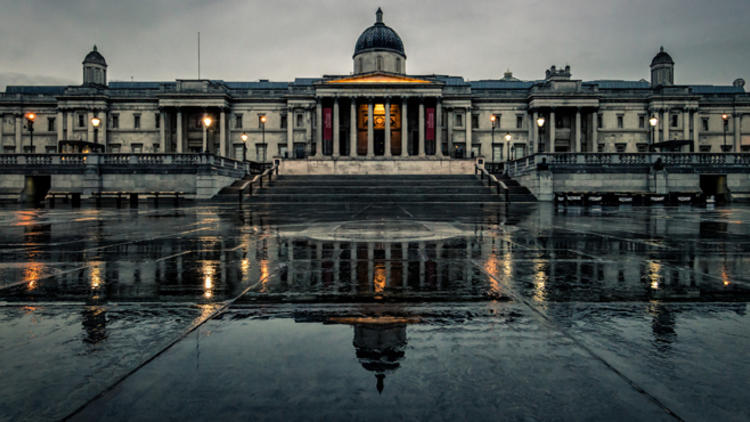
(379,63)
(359,65)
(398,64)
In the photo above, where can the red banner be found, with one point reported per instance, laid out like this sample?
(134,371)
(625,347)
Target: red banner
(430,117)
(327,124)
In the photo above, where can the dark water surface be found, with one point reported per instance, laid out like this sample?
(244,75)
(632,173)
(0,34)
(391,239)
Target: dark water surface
(440,312)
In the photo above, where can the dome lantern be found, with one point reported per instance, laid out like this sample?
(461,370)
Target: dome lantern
(379,49)
(94,69)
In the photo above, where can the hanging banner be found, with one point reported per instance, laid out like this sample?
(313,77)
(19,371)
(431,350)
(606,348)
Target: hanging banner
(327,124)
(430,122)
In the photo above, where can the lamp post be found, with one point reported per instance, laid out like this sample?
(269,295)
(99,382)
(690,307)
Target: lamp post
(95,122)
(30,117)
(263,119)
(507,146)
(725,118)
(206,124)
(244,145)
(540,125)
(652,122)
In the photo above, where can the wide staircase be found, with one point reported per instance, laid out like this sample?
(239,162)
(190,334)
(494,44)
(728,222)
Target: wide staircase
(376,189)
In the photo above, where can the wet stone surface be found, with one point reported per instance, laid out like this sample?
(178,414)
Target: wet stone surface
(526,312)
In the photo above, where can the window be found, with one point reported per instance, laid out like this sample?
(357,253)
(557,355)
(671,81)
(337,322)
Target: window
(642,147)
(136,148)
(620,147)
(115,121)
(674,121)
(238,121)
(705,124)
(81,120)
(459,120)
(620,119)
(155,147)
(157,119)
(475,121)
(599,121)
(300,120)
(600,148)
(398,64)
(9,149)
(50,149)
(50,124)
(705,148)
(260,152)
(114,148)
(519,122)
(641,122)
(136,121)
(379,61)
(283,121)
(359,67)
(28,149)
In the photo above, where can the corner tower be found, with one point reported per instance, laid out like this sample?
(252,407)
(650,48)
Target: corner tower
(94,69)
(379,49)
(662,69)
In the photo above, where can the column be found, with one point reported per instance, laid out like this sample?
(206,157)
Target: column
(308,126)
(162,133)
(439,128)
(404,128)
(353,127)
(530,135)
(467,124)
(89,127)
(370,130)
(205,139)
(552,124)
(223,133)
(336,134)
(387,127)
(594,130)
(60,134)
(736,119)
(534,133)
(685,124)
(318,129)
(421,127)
(70,125)
(696,131)
(577,147)
(179,132)
(103,130)
(666,122)
(290,132)
(449,127)
(19,128)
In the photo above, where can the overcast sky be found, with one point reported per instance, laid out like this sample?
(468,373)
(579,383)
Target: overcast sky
(44,41)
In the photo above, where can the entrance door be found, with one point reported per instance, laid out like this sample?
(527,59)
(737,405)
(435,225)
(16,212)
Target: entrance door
(379,147)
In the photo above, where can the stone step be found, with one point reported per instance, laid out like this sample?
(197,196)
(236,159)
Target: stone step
(375,198)
(391,190)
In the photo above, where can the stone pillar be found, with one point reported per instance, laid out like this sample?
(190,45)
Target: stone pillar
(336,134)
(89,126)
(162,132)
(467,125)
(308,127)
(736,120)
(696,131)
(594,130)
(179,132)
(439,128)
(318,129)
(666,122)
(404,128)
(370,130)
(223,133)
(552,124)
(387,127)
(577,146)
(449,127)
(353,127)
(685,124)
(60,134)
(70,125)
(19,139)
(421,128)
(103,130)
(204,149)
(290,132)
(531,135)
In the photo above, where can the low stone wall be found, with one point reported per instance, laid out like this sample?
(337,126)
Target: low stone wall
(391,166)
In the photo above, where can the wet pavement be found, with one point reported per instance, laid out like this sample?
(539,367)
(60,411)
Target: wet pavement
(483,312)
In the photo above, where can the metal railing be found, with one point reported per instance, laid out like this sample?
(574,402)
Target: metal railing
(500,186)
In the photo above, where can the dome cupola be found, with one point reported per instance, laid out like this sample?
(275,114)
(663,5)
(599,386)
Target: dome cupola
(379,49)
(94,69)
(662,69)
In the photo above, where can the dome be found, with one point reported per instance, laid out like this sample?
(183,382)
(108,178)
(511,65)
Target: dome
(662,58)
(379,37)
(95,57)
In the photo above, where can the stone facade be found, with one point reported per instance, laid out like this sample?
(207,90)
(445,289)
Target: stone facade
(379,111)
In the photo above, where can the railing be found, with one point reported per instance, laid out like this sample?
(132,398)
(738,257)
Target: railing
(499,185)
(269,172)
(592,161)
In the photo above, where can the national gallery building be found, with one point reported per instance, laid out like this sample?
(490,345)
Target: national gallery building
(378,111)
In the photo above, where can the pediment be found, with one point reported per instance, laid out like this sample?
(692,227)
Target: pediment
(378,78)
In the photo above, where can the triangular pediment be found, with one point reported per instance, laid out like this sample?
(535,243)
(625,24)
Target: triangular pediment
(378,78)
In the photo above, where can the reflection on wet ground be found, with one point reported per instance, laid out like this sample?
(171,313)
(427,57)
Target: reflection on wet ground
(372,311)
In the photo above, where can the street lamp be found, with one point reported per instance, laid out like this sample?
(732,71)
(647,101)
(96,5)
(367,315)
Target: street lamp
(263,119)
(653,121)
(540,125)
(30,117)
(244,145)
(95,122)
(206,124)
(507,146)
(725,118)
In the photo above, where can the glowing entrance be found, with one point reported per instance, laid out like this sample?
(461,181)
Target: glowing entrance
(378,117)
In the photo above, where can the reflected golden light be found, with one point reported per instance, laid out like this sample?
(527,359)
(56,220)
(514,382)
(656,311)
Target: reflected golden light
(31,273)
(492,267)
(654,273)
(387,320)
(540,281)
(96,276)
(208,280)
(264,274)
(379,278)
(725,276)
